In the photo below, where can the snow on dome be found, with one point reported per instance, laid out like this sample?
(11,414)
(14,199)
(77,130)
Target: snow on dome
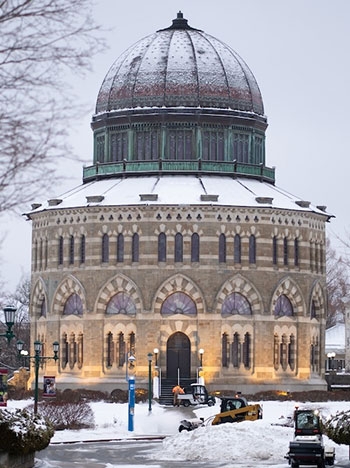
(180,66)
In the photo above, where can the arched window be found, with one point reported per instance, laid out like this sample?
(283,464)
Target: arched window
(135,247)
(71,250)
(283,353)
(72,351)
(43,308)
(110,350)
(225,350)
(296,252)
(276,352)
(80,350)
(178,257)
(121,350)
(46,253)
(236,303)
(291,352)
(236,355)
(105,248)
(246,350)
(274,250)
(121,303)
(252,249)
(313,310)
(178,303)
(35,255)
(195,248)
(283,307)
(60,250)
(237,249)
(285,251)
(73,305)
(82,248)
(120,248)
(222,248)
(162,247)
(41,254)
(64,351)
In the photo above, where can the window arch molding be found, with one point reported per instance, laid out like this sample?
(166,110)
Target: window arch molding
(118,284)
(39,295)
(290,289)
(317,302)
(179,283)
(239,284)
(68,286)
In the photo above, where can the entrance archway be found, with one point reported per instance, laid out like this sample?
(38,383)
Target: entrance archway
(178,357)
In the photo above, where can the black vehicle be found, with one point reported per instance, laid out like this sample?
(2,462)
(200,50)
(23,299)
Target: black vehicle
(307,447)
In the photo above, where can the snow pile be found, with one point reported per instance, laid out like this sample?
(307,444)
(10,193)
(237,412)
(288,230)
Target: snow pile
(256,440)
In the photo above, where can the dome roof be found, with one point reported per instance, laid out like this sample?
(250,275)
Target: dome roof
(180,66)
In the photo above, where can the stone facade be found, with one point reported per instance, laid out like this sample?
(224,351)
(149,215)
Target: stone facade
(284,351)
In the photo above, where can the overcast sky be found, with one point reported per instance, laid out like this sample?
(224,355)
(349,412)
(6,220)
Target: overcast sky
(298,50)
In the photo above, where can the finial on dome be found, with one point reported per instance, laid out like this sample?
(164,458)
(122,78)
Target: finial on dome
(179,23)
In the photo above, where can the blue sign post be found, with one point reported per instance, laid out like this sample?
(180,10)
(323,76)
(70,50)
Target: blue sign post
(131,403)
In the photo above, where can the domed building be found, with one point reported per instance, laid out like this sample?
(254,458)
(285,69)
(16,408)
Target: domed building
(178,239)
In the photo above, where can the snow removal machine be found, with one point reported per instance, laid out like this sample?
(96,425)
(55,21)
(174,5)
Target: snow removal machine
(232,409)
(307,447)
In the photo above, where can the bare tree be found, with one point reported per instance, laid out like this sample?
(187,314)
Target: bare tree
(42,43)
(19,299)
(337,285)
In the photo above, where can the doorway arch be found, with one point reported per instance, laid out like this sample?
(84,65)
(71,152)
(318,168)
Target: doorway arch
(178,356)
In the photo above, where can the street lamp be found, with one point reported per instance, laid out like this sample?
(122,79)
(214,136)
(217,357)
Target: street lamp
(331,357)
(9,312)
(156,352)
(37,358)
(149,357)
(201,352)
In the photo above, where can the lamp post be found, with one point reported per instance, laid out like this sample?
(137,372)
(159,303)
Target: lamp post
(37,358)
(331,357)
(9,313)
(200,368)
(149,357)
(156,352)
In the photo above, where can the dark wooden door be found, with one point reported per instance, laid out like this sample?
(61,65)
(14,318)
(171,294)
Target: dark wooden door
(178,356)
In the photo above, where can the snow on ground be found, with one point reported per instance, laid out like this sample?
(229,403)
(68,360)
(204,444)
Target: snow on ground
(265,440)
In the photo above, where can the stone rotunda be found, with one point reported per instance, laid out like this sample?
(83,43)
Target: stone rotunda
(178,238)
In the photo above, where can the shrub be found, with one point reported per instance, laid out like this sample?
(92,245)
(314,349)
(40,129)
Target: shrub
(119,396)
(22,432)
(64,415)
(337,427)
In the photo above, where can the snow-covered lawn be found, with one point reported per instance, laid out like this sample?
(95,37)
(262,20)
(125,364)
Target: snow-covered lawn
(265,440)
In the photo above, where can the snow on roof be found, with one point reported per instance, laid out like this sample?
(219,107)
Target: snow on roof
(335,339)
(178,190)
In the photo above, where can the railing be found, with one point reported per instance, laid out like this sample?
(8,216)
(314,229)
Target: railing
(198,167)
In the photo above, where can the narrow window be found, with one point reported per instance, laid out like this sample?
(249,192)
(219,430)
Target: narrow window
(235,350)
(109,349)
(105,248)
(246,350)
(71,250)
(120,248)
(276,353)
(252,249)
(35,255)
(135,248)
(225,350)
(41,255)
(80,350)
(285,251)
(237,249)
(60,250)
(65,351)
(121,350)
(162,247)
(291,352)
(296,252)
(46,253)
(195,248)
(72,351)
(178,247)
(82,249)
(274,250)
(222,248)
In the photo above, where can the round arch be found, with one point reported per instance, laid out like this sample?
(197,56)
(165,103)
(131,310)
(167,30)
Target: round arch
(287,287)
(239,284)
(118,284)
(68,286)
